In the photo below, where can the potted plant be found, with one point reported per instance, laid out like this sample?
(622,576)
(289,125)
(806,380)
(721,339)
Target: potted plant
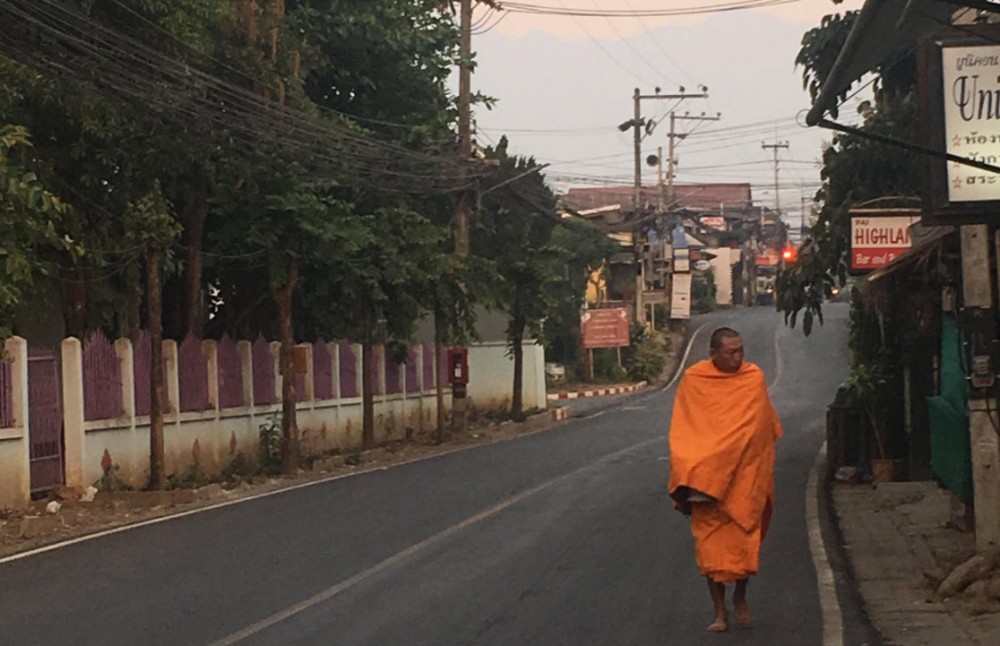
(866,386)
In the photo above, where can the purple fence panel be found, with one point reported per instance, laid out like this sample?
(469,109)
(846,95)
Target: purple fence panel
(411,370)
(348,372)
(6,394)
(230,374)
(45,420)
(140,368)
(428,367)
(373,371)
(192,375)
(102,379)
(263,373)
(322,371)
(393,381)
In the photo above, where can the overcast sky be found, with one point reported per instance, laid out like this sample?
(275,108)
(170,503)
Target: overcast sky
(565,83)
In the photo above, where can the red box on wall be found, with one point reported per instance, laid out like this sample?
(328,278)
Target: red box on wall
(458,366)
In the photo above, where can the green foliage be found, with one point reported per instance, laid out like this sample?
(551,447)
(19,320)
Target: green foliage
(31,221)
(703,292)
(647,361)
(606,367)
(269,446)
(856,171)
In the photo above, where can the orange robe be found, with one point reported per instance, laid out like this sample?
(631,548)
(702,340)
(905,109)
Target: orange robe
(722,437)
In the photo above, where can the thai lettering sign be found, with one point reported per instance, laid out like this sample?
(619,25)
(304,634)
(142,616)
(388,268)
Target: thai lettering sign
(959,114)
(971,79)
(879,237)
(714,222)
(605,328)
(680,297)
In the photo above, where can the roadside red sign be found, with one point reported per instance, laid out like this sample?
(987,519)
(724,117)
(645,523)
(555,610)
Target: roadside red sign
(605,328)
(878,238)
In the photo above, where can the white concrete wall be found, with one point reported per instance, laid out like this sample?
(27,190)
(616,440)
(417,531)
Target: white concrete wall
(15,482)
(722,267)
(215,437)
(491,375)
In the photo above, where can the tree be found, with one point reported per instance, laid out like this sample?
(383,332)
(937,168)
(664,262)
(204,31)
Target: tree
(516,229)
(855,170)
(31,218)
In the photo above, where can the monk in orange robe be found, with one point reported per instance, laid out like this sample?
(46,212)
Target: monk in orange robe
(722,437)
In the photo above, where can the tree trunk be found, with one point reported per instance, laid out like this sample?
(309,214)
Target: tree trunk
(74,300)
(157,475)
(195,215)
(133,305)
(517,397)
(283,297)
(367,396)
(439,375)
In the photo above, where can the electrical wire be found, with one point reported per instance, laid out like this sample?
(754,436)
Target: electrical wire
(528,8)
(137,73)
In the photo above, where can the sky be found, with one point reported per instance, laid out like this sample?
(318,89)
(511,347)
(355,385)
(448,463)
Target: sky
(563,84)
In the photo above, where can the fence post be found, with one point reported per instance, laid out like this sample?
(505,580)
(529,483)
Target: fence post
(73,421)
(171,380)
(15,490)
(378,356)
(123,348)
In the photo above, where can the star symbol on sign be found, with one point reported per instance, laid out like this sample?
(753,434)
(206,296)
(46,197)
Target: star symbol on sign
(957,183)
(956,141)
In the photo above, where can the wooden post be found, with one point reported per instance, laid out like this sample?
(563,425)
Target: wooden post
(977,288)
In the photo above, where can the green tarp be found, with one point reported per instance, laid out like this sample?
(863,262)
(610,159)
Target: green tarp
(951,456)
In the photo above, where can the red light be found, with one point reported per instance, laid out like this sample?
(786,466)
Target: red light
(788,254)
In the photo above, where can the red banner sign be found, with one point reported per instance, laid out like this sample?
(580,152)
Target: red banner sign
(877,241)
(606,328)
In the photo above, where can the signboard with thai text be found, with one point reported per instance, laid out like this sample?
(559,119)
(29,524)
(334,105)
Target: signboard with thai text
(960,116)
(605,328)
(714,222)
(972,119)
(879,237)
(680,298)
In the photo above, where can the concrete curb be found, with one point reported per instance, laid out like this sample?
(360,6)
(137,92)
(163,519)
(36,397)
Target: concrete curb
(600,392)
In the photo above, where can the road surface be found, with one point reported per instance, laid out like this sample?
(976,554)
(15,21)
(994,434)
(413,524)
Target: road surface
(563,537)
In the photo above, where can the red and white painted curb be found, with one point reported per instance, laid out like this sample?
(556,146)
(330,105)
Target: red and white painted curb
(561,413)
(601,392)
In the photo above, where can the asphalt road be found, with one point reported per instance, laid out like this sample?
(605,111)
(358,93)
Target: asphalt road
(563,537)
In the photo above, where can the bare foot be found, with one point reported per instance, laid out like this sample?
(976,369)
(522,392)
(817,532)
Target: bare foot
(744,617)
(720,625)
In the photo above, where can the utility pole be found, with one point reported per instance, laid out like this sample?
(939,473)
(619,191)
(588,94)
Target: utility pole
(459,410)
(676,136)
(776,147)
(638,124)
(464,126)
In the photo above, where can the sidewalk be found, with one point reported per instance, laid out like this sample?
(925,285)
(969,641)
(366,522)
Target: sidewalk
(901,548)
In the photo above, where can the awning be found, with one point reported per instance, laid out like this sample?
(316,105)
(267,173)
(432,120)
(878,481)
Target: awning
(925,241)
(884,29)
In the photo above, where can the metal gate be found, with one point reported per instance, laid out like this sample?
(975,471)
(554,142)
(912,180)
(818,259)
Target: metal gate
(45,419)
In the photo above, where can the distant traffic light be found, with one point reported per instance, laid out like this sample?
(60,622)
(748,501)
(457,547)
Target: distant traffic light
(788,255)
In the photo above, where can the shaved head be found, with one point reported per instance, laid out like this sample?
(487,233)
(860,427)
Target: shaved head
(719,335)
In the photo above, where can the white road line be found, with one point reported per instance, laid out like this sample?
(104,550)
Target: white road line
(833,628)
(266,494)
(413,550)
(680,367)
(777,358)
